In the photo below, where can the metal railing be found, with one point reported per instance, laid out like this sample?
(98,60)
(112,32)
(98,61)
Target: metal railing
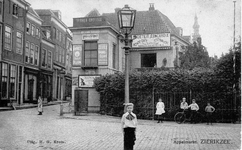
(145,105)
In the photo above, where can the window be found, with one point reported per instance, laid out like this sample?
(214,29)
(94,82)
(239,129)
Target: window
(28,28)
(19,43)
(54,32)
(57,35)
(67,60)
(57,53)
(43,58)
(60,54)
(15,9)
(33,30)
(63,56)
(36,55)
(1,9)
(4,80)
(60,36)
(12,81)
(27,52)
(32,54)
(63,39)
(114,56)
(8,38)
(148,60)
(90,53)
(49,60)
(47,34)
(37,33)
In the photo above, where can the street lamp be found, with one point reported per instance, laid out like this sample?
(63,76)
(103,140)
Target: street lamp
(126,19)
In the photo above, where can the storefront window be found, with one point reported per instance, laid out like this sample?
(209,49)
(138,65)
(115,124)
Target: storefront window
(148,60)
(12,81)
(90,53)
(4,80)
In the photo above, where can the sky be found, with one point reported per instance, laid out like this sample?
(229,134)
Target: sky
(215,17)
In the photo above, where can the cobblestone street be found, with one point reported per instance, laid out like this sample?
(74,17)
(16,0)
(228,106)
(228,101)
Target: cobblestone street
(25,130)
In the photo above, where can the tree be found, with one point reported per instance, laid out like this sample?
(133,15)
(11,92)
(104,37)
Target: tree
(225,68)
(195,56)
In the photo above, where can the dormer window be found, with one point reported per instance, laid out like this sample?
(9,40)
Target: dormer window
(15,9)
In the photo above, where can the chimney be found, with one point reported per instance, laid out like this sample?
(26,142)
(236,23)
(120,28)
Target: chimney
(151,7)
(117,9)
(57,13)
(180,31)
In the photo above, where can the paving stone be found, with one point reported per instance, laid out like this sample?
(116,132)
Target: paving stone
(25,130)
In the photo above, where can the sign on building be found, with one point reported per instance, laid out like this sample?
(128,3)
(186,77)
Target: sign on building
(103,54)
(151,40)
(90,36)
(77,55)
(86,80)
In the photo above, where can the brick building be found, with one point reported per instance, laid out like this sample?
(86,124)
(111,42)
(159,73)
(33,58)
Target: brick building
(55,30)
(31,56)
(35,54)
(13,19)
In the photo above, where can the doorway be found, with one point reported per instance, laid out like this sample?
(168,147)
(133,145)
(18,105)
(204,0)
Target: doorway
(81,101)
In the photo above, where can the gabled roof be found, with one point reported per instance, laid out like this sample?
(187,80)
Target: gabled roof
(45,12)
(148,22)
(31,10)
(93,13)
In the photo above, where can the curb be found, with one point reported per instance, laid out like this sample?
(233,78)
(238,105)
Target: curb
(30,106)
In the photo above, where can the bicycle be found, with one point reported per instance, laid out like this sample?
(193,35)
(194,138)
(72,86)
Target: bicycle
(181,117)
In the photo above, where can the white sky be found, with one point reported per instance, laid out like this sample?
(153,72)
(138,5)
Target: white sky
(215,17)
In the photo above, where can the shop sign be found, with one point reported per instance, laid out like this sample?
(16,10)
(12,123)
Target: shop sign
(77,55)
(151,40)
(103,54)
(86,80)
(90,36)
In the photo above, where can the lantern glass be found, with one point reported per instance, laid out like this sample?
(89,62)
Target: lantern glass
(126,17)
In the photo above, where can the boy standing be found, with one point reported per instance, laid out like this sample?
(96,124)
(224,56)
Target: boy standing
(129,124)
(194,109)
(209,110)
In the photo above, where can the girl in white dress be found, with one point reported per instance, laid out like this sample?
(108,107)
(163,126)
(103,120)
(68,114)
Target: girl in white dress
(160,109)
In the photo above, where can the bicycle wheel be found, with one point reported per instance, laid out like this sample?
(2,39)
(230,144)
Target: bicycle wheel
(179,118)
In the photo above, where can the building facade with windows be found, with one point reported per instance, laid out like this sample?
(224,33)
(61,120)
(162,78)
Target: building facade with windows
(56,31)
(13,17)
(31,57)
(156,41)
(47,50)
(68,75)
(96,51)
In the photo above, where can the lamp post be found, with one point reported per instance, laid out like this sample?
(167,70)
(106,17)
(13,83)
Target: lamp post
(126,19)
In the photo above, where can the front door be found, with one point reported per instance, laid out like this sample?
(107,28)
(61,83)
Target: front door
(30,89)
(81,101)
